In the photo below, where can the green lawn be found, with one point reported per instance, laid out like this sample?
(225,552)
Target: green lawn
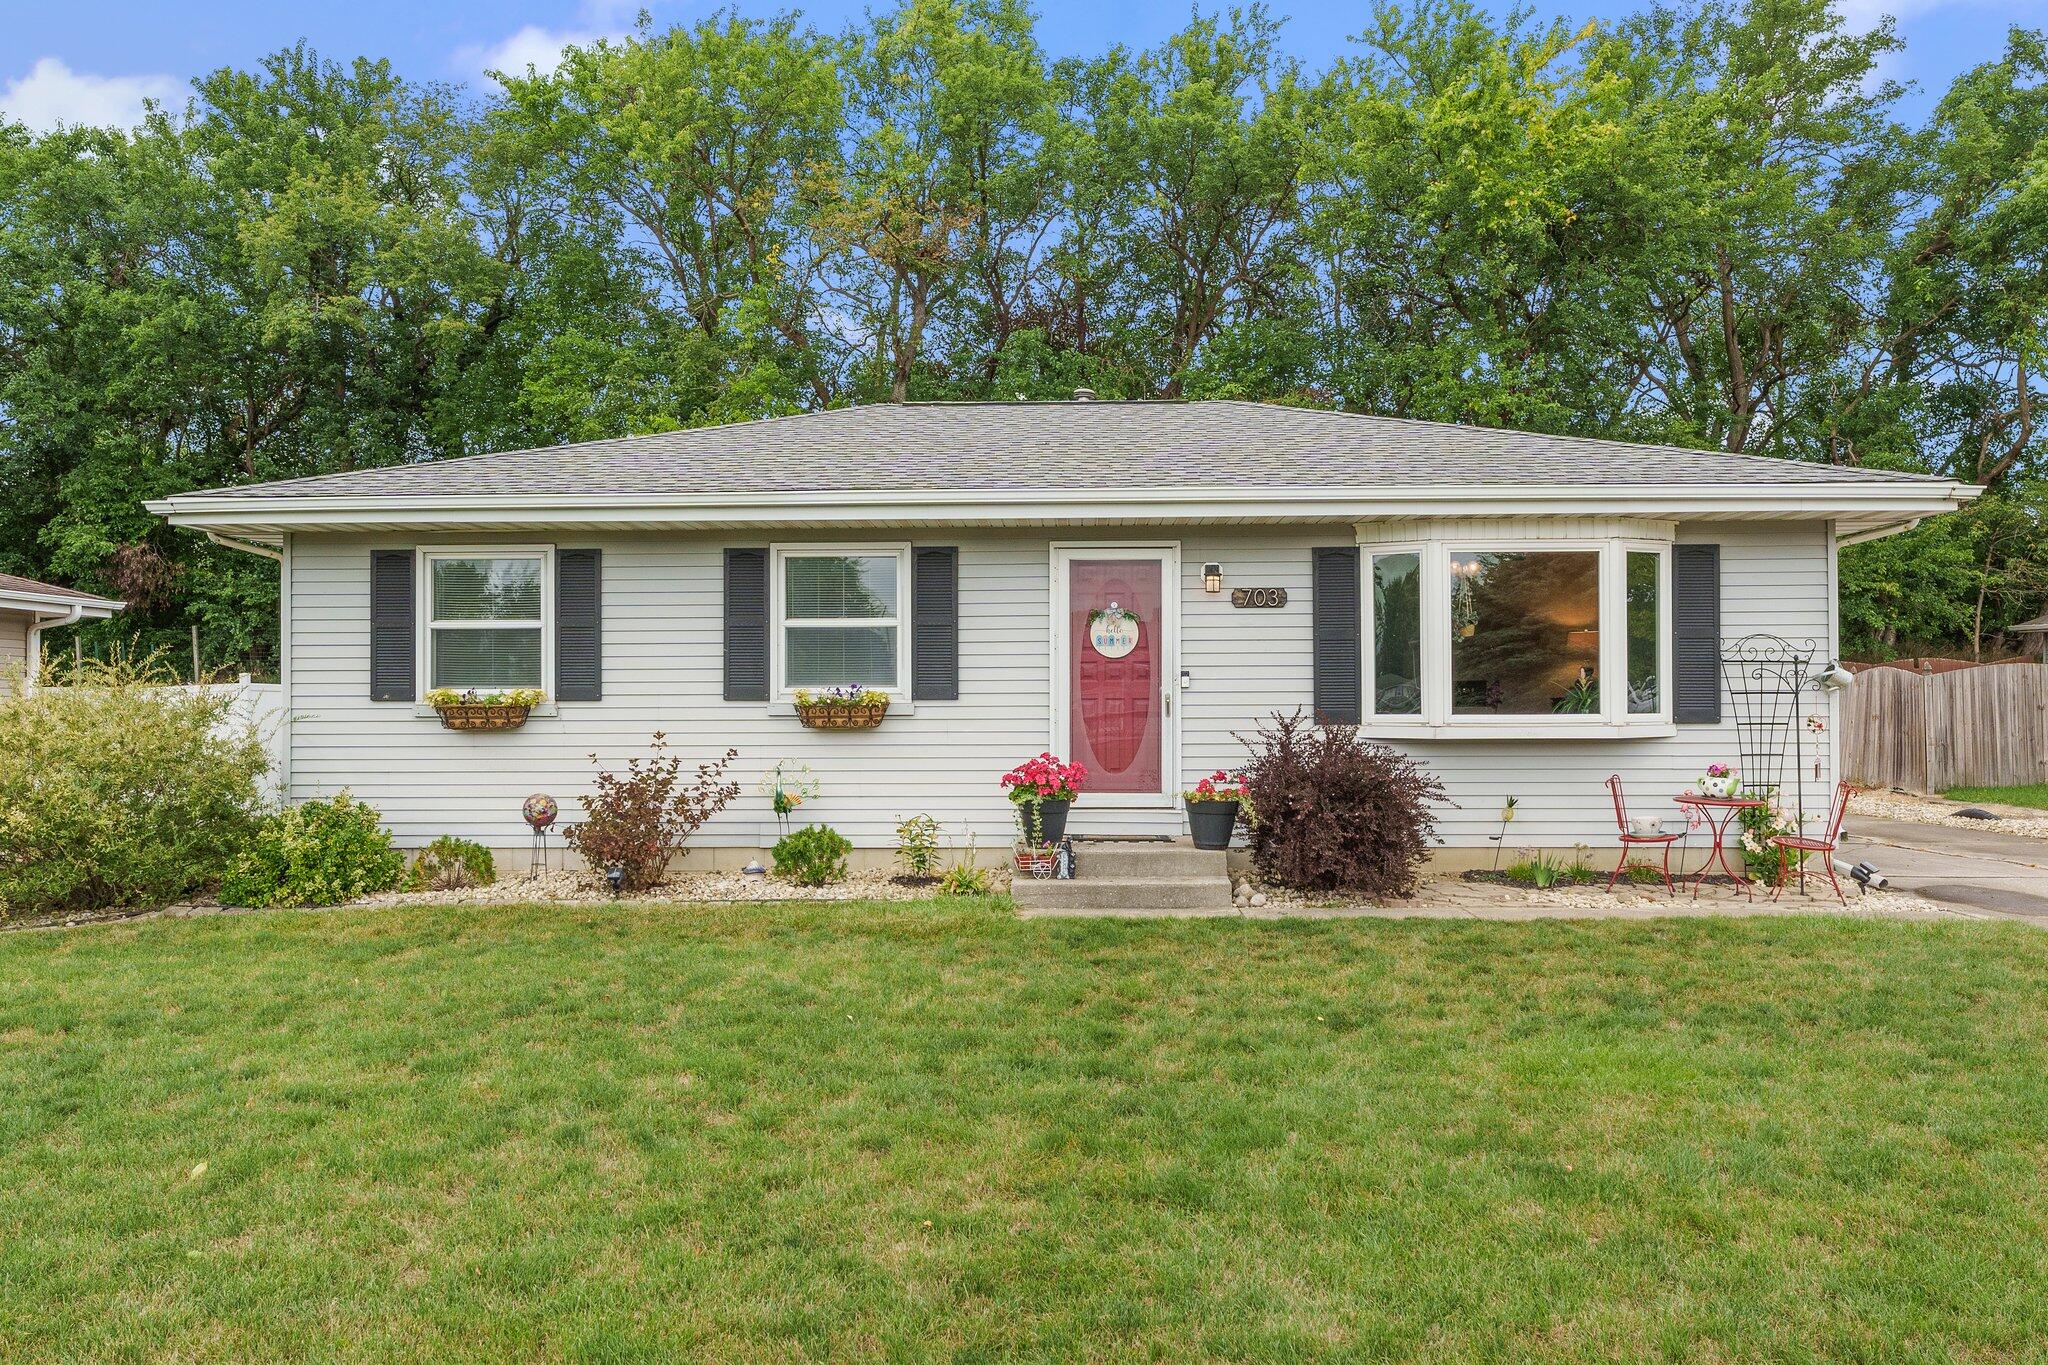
(890,1131)
(2032,794)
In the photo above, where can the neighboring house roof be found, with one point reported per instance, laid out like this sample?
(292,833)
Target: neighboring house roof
(1047,462)
(25,594)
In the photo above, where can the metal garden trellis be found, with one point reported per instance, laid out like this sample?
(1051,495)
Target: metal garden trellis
(1766,675)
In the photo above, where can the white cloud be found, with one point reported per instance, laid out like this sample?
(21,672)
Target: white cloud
(534,46)
(52,94)
(540,47)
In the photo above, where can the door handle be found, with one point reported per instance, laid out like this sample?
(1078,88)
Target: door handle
(1167,693)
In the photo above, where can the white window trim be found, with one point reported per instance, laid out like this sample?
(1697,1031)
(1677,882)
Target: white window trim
(423,583)
(778,624)
(1437,720)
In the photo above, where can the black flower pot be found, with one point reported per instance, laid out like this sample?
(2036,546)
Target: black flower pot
(1052,819)
(1211,823)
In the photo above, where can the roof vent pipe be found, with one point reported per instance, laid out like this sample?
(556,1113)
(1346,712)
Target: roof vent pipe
(1084,395)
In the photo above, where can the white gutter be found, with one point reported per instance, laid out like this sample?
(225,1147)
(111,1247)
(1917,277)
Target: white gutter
(275,514)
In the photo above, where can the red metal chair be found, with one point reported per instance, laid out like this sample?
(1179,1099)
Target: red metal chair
(1631,840)
(1805,844)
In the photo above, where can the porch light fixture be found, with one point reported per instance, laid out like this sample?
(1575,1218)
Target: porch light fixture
(1212,578)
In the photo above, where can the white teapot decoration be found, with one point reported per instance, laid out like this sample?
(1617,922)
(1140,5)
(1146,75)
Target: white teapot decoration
(1720,781)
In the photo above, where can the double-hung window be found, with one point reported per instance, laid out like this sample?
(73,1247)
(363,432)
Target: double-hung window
(839,614)
(1492,634)
(485,615)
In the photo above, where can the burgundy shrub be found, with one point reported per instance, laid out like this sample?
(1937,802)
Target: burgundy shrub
(642,819)
(1336,813)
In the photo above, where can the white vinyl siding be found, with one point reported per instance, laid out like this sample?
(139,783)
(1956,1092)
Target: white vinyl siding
(662,644)
(13,644)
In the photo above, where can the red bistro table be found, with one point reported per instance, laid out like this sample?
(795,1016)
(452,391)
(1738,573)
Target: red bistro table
(1717,813)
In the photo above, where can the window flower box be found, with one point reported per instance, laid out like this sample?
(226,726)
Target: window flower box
(474,710)
(842,708)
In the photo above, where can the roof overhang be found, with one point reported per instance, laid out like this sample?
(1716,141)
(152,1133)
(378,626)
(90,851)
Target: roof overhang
(1858,508)
(59,605)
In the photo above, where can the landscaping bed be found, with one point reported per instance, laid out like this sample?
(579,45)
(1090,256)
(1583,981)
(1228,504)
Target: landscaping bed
(887,1129)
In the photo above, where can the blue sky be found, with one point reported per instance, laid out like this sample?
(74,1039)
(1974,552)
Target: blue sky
(80,61)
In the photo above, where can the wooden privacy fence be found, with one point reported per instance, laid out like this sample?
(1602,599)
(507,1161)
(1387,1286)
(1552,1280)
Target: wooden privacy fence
(1974,727)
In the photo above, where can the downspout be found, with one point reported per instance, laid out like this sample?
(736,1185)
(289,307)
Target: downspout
(246,546)
(38,623)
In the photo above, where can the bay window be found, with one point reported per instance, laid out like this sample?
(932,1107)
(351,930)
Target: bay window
(839,613)
(484,616)
(1397,633)
(1527,636)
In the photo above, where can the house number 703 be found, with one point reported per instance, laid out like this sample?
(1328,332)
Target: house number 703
(1258,597)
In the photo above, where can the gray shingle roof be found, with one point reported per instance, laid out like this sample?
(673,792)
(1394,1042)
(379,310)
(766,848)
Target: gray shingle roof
(924,447)
(29,587)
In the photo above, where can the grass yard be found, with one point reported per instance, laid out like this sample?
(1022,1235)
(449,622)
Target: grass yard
(2031,794)
(932,1131)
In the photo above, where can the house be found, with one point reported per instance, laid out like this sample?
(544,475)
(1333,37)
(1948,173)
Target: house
(28,608)
(1130,584)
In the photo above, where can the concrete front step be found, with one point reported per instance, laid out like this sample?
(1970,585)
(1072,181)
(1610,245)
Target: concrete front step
(1154,858)
(1136,878)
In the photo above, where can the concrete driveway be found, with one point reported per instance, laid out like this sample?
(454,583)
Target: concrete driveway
(1972,869)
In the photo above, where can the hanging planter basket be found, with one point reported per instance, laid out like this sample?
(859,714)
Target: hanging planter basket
(502,716)
(842,715)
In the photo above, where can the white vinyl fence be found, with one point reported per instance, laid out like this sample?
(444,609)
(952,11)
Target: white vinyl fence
(260,705)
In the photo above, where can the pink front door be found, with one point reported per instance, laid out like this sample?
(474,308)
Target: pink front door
(1116,673)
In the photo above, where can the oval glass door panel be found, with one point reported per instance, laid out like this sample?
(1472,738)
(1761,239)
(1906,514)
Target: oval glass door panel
(1115,658)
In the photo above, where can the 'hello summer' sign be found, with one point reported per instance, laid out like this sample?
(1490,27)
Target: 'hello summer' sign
(1112,633)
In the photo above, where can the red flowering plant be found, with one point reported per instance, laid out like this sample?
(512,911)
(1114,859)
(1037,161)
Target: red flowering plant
(1217,786)
(1036,781)
(1044,778)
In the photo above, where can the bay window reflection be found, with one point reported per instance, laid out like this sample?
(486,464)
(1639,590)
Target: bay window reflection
(1645,633)
(1525,632)
(1397,634)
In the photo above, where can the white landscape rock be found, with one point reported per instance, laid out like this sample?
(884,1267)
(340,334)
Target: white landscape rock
(1928,810)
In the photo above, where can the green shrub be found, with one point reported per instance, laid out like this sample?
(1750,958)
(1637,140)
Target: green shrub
(917,846)
(449,864)
(117,790)
(965,879)
(812,856)
(317,853)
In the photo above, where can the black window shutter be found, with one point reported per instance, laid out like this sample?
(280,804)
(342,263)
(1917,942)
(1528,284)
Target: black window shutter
(746,625)
(579,625)
(393,671)
(935,624)
(1696,634)
(1339,661)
